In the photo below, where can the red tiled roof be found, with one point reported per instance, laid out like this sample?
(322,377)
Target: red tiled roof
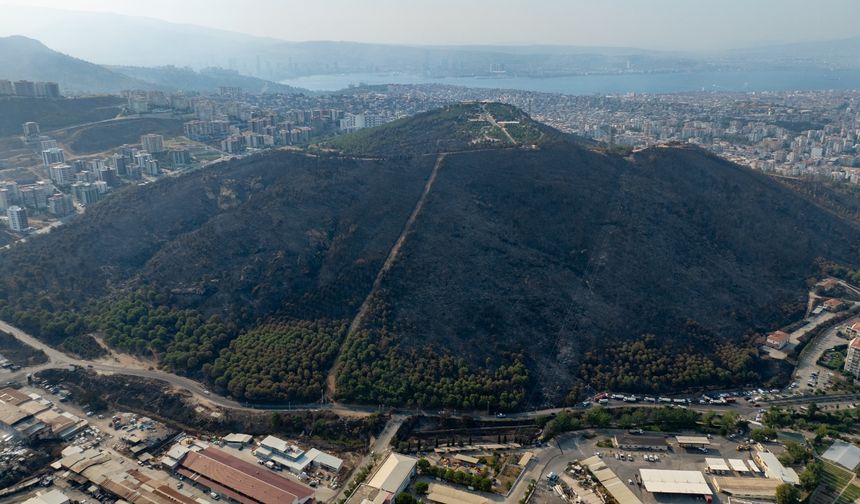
(833,302)
(257,483)
(214,485)
(780,336)
(855,343)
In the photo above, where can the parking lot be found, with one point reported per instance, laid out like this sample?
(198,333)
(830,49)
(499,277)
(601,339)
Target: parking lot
(676,458)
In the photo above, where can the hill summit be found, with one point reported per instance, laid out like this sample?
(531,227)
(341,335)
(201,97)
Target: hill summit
(466,257)
(468,126)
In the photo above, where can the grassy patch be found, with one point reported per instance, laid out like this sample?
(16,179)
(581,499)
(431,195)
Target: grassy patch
(851,494)
(835,478)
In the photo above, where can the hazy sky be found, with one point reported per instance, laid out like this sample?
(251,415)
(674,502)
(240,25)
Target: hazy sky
(658,24)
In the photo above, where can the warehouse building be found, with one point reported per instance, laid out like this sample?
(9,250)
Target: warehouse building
(394,474)
(717,466)
(774,469)
(294,458)
(53,497)
(660,481)
(111,474)
(238,441)
(610,481)
(746,488)
(738,466)
(392,478)
(845,454)
(444,494)
(693,441)
(29,417)
(220,472)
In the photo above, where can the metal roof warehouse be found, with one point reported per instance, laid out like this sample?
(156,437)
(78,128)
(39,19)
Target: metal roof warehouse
(675,482)
(692,441)
(845,454)
(626,442)
(239,480)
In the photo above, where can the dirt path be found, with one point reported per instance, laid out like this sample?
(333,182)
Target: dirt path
(331,379)
(492,120)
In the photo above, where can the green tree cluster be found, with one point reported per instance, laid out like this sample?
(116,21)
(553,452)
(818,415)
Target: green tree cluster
(651,365)
(145,322)
(375,369)
(476,481)
(279,361)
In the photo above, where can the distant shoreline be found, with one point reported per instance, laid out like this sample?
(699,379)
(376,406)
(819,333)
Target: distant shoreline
(669,82)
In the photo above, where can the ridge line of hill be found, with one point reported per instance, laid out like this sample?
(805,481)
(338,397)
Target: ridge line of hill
(331,379)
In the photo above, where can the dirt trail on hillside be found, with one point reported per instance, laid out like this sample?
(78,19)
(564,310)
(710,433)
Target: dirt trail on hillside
(386,266)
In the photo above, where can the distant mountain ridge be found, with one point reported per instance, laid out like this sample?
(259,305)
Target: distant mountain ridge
(22,58)
(137,41)
(28,59)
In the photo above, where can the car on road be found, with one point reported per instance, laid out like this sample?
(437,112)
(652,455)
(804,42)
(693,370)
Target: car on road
(205,392)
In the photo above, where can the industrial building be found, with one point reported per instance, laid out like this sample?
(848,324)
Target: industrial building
(693,441)
(238,441)
(29,417)
(392,478)
(294,458)
(610,481)
(717,466)
(246,483)
(394,474)
(444,494)
(118,477)
(774,469)
(746,488)
(845,454)
(630,442)
(52,497)
(661,481)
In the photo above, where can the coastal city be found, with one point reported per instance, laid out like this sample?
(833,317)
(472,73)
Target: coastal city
(792,134)
(555,252)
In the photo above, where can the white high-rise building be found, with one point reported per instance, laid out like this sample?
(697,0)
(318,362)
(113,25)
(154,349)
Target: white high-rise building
(17,219)
(152,143)
(353,122)
(62,174)
(852,360)
(53,156)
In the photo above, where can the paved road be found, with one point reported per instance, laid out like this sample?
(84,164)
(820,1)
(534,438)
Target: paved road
(59,359)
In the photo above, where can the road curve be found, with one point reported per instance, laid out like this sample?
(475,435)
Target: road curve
(58,359)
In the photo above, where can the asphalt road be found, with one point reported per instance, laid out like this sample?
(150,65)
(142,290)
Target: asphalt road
(57,359)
